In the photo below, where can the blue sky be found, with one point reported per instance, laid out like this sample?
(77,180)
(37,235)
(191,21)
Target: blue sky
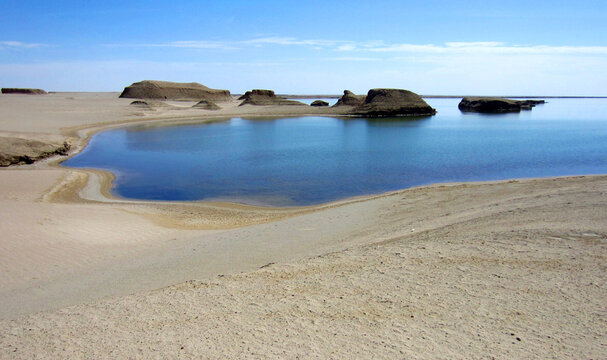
(430,47)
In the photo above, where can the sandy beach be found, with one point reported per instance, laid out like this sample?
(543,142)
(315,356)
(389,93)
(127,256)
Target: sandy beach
(507,269)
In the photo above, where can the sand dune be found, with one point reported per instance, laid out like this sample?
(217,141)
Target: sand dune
(512,269)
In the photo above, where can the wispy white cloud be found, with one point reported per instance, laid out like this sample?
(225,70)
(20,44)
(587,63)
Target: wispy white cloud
(481,47)
(462,44)
(239,44)
(292,41)
(405,48)
(346,47)
(19,45)
(353,58)
(198,45)
(544,49)
(187,44)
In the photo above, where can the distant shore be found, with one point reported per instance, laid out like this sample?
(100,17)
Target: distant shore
(512,97)
(453,96)
(337,96)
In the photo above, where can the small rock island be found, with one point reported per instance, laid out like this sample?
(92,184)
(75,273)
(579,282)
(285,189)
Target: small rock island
(392,102)
(495,105)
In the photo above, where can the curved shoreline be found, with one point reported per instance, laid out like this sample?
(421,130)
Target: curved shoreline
(94,186)
(100,182)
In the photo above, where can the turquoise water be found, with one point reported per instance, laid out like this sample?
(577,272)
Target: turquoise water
(311,160)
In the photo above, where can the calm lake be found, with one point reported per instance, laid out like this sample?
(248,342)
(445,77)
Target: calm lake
(312,160)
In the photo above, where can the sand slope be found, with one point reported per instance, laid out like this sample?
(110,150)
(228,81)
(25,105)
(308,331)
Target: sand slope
(454,272)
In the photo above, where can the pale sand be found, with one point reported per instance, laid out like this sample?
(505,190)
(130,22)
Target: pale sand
(446,271)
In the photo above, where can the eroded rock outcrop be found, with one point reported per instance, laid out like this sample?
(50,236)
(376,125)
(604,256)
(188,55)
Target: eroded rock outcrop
(319,103)
(350,99)
(141,103)
(17,150)
(265,97)
(23,91)
(166,90)
(393,102)
(494,105)
(206,105)
(149,104)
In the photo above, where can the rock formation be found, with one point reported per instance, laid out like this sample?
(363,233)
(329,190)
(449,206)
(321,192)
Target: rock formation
(493,105)
(206,105)
(150,104)
(393,102)
(529,104)
(319,103)
(166,90)
(140,103)
(350,99)
(16,150)
(23,91)
(265,97)
(489,105)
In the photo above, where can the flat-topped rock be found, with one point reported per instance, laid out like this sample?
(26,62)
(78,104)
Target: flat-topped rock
(166,90)
(23,91)
(265,97)
(489,105)
(319,103)
(350,99)
(495,105)
(393,102)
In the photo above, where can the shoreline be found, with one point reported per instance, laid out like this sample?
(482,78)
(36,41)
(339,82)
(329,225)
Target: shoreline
(100,184)
(174,118)
(99,190)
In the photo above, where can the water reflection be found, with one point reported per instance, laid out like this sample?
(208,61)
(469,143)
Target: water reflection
(308,160)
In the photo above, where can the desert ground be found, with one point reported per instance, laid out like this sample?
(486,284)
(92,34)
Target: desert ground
(508,269)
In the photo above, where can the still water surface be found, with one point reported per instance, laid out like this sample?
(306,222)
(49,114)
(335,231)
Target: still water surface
(311,160)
